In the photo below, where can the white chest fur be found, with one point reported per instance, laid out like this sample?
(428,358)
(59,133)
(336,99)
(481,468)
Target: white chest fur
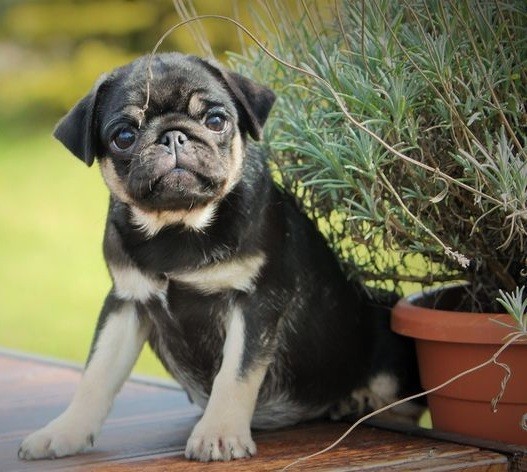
(237,274)
(132,284)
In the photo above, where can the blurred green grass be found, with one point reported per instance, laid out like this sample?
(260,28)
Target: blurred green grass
(53,279)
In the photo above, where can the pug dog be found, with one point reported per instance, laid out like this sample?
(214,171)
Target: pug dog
(216,267)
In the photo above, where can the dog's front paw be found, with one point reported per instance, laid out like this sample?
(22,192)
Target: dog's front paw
(62,437)
(219,443)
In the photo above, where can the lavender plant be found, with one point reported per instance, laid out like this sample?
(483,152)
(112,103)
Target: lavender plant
(418,173)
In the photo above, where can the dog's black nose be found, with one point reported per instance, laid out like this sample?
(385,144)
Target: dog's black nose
(173,140)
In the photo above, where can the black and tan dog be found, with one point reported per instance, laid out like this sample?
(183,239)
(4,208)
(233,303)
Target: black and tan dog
(215,267)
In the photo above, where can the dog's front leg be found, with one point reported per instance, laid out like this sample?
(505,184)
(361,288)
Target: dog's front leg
(224,431)
(118,340)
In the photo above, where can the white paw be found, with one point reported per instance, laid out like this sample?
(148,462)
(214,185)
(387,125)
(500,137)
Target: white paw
(62,437)
(219,444)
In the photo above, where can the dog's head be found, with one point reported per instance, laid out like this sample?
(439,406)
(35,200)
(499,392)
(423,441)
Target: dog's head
(184,153)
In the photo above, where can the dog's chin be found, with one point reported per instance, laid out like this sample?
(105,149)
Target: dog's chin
(179,198)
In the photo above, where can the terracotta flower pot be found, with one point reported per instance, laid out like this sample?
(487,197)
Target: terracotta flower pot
(449,342)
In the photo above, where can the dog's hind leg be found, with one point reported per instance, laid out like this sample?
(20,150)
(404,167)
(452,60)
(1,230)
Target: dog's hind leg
(382,390)
(118,340)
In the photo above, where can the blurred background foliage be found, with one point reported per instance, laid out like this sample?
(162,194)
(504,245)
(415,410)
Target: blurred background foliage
(52,212)
(51,51)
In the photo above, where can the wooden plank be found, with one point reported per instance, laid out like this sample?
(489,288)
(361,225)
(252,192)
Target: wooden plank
(149,425)
(146,419)
(369,450)
(518,451)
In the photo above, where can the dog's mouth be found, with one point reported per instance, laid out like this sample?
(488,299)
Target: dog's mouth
(182,178)
(173,189)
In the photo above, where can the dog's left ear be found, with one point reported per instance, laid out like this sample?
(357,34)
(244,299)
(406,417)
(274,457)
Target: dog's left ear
(255,100)
(76,129)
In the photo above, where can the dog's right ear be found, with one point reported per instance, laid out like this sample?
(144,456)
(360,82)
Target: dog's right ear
(76,130)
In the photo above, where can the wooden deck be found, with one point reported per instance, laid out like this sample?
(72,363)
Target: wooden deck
(150,422)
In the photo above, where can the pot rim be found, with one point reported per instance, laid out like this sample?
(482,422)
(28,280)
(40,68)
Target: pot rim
(434,324)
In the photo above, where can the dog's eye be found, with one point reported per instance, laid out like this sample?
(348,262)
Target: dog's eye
(124,138)
(216,122)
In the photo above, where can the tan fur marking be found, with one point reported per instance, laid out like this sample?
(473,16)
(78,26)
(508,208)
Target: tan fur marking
(113,182)
(196,105)
(235,170)
(153,222)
